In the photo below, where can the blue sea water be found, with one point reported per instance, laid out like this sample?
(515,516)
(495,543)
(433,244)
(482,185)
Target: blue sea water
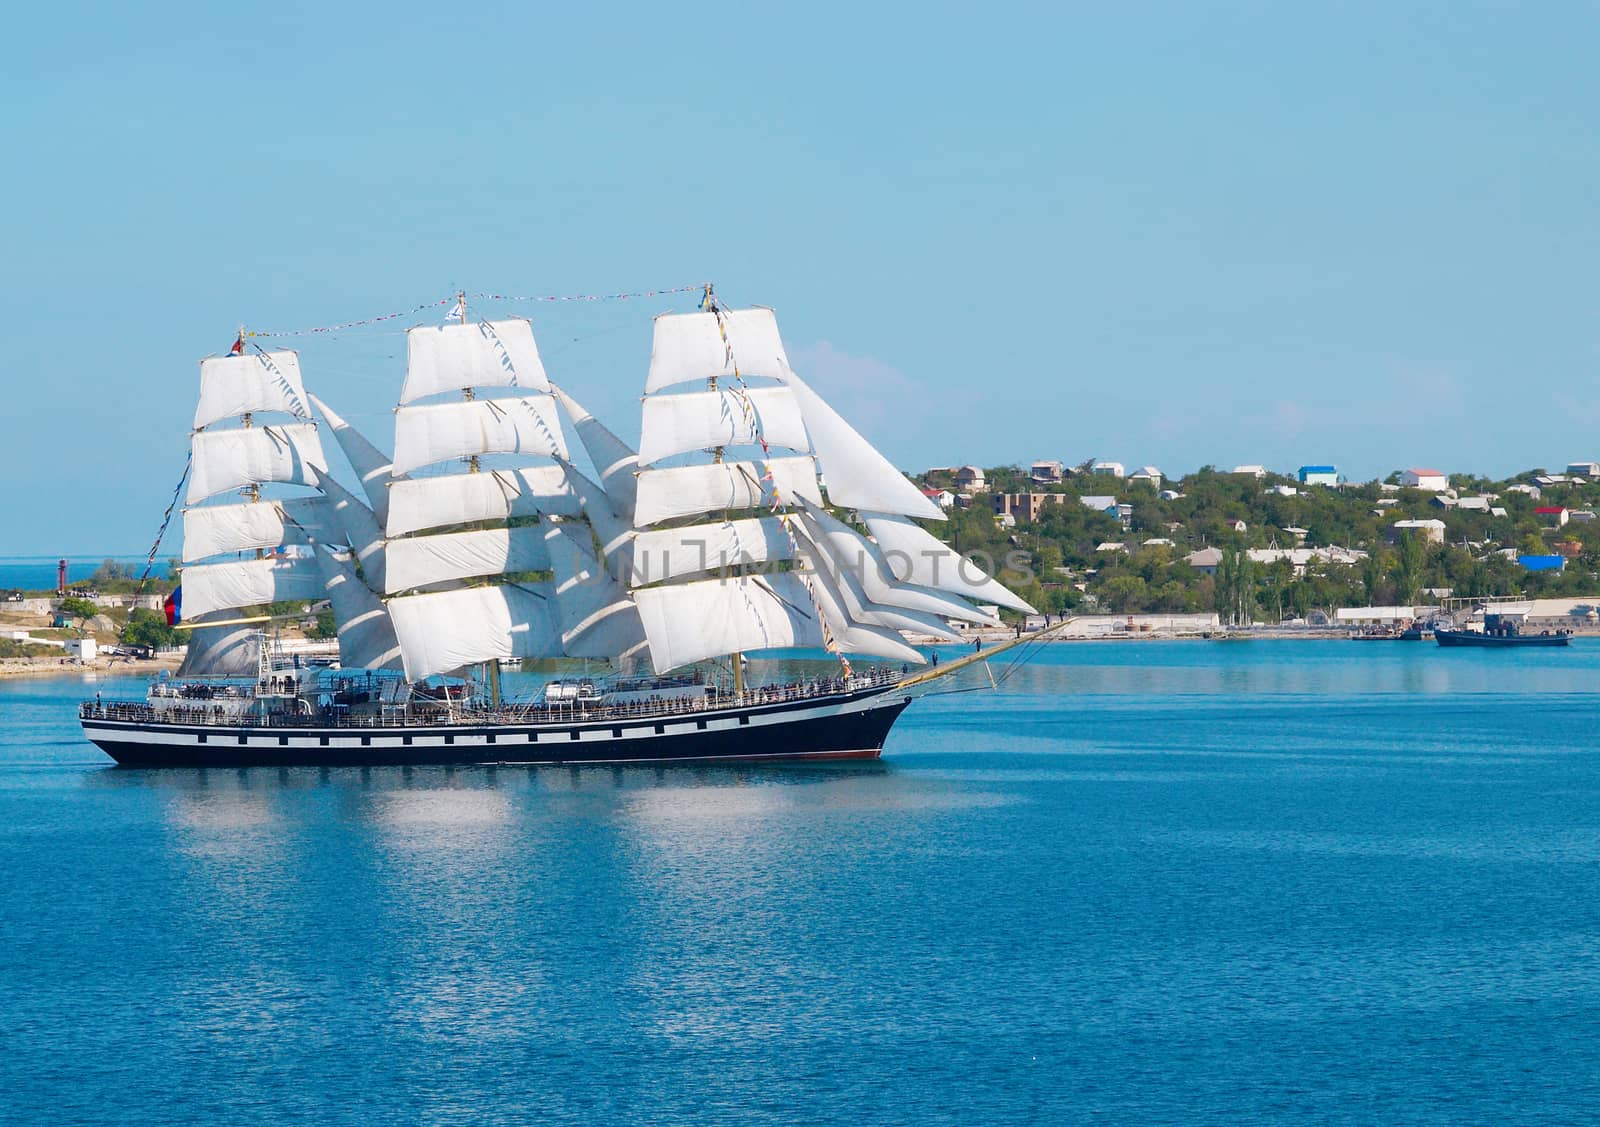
(38,573)
(1261,882)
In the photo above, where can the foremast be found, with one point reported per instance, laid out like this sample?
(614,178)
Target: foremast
(252,427)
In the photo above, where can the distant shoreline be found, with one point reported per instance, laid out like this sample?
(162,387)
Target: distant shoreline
(20,667)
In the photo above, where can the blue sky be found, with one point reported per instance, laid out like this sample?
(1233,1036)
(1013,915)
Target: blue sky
(1176,234)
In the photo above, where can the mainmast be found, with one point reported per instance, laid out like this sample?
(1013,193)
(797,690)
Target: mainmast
(708,302)
(473,390)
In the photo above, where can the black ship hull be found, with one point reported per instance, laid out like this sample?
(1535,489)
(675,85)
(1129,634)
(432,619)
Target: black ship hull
(1497,641)
(850,725)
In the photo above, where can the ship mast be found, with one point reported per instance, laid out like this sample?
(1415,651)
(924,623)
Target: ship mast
(491,668)
(709,301)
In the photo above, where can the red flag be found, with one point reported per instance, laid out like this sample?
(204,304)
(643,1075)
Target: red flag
(238,346)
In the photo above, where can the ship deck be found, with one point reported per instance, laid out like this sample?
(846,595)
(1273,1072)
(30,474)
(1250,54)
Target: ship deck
(430,714)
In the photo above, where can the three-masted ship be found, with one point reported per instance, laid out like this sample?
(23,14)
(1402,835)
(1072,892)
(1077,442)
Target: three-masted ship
(752,517)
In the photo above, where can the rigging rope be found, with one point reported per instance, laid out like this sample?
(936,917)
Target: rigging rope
(549,298)
(166,519)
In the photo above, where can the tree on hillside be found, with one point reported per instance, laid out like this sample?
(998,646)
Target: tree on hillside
(1236,588)
(1408,568)
(81,609)
(149,628)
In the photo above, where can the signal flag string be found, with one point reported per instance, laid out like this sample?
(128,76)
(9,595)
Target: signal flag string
(546,299)
(161,533)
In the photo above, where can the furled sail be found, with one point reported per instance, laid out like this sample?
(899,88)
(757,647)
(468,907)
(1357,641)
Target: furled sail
(214,530)
(730,416)
(372,466)
(690,622)
(241,385)
(858,476)
(418,561)
(915,556)
(439,432)
(681,491)
(699,346)
(234,459)
(446,630)
(476,354)
(613,459)
(432,502)
(366,635)
(247,583)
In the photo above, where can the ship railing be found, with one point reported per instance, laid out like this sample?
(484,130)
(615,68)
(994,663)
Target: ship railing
(210,713)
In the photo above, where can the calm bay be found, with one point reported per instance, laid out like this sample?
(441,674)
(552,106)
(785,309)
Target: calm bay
(1143,881)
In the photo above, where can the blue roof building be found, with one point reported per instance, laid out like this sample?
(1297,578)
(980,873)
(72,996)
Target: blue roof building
(1319,475)
(1542,563)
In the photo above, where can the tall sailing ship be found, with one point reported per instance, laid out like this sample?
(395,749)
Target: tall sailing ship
(752,517)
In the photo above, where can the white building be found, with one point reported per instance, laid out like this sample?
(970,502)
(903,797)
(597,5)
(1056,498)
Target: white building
(1428,479)
(1587,469)
(1430,530)
(1107,469)
(1374,616)
(970,478)
(81,649)
(1046,471)
(1206,560)
(1147,473)
(1253,471)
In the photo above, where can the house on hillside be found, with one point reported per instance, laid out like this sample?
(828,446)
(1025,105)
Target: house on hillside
(1553,515)
(1147,473)
(1252,470)
(1318,475)
(941,497)
(1025,506)
(1047,473)
(1586,469)
(1542,562)
(1205,560)
(1430,530)
(1432,480)
(1100,504)
(1107,469)
(970,479)
(1282,490)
